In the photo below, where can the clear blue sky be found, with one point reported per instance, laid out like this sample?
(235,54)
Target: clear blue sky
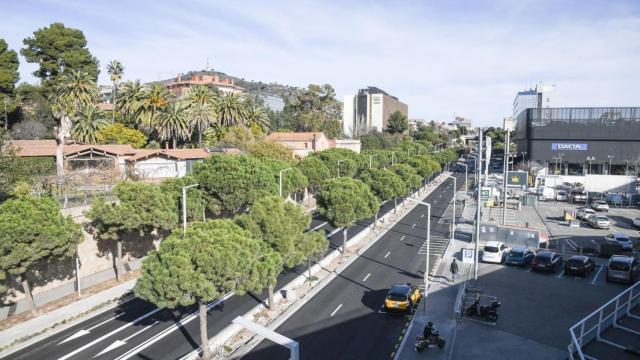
(440,57)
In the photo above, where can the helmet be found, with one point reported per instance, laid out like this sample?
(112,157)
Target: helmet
(430,324)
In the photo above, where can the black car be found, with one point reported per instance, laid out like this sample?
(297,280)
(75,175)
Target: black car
(546,261)
(579,265)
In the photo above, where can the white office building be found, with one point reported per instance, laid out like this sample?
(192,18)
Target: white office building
(538,97)
(369,110)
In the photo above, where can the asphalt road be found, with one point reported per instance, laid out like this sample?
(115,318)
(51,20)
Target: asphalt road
(344,320)
(138,330)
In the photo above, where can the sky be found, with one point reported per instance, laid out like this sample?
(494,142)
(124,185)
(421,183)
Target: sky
(467,58)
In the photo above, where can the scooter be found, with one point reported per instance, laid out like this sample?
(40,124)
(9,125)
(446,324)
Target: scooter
(434,340)
(489,312)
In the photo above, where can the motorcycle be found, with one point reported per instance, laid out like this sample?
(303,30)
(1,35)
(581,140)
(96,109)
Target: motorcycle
(435,339)
(489,312)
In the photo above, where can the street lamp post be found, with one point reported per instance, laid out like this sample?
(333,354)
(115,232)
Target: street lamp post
(523,154)
(610,160)
(184,207)
(280,182)
(370,160)
(339,161)
(453,217)
(479,198)
(590,159)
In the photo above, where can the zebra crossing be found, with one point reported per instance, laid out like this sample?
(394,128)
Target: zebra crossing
(438,245)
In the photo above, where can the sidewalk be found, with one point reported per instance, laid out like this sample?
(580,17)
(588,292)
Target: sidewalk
(64,290)
(438,306)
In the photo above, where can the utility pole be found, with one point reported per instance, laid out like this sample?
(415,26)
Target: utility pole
(184,208)
(339,161)
(505,176)
(280,182)
(479,168)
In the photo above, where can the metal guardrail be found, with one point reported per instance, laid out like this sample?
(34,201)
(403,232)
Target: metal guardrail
(591,327)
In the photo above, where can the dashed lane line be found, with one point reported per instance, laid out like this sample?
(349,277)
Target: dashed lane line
(336,310)
(387,254)
(366,277)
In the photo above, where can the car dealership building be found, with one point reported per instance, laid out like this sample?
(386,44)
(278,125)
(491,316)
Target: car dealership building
(580,141)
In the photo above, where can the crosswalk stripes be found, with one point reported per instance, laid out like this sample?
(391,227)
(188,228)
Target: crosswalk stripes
(437,246)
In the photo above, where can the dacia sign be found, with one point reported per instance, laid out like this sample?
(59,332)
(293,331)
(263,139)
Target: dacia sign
(571,147)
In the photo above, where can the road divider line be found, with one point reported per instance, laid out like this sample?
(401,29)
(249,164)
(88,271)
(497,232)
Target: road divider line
(387,254)
(336,310)
(366,277)
(593,282)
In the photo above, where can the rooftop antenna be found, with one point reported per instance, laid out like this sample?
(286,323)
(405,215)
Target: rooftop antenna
(207,67)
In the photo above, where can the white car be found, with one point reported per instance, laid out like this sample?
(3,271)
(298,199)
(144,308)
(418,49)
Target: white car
(494,252)
(584,213)
(600,205)
(561,195)
(622,239)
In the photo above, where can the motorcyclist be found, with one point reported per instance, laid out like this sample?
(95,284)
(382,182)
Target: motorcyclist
(429,330)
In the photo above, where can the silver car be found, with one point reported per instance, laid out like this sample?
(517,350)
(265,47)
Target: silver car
(599,222)
(600,205)
(622,239)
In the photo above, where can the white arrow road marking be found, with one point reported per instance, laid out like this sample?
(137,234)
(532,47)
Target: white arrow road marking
(118,343)
(336,310)
(366,277)
(387,254)
(109,334)
(131,353)
(85,332)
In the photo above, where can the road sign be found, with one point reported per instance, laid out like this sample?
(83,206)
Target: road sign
(484,194)
(467,256)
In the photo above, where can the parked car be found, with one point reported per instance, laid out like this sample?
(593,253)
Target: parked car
(402,297)
(599,222)
(636,222)
(579,265)
(584,213)
(520,255)
(494,252)
(600,205)
(546,261)
(561,195)
(608,248)
(622,239)
(579,197)
(622,268)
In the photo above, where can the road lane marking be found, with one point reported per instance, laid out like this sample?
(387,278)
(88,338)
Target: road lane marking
(594,242)
(336,310)
(86,346)
(593,282)
(560,275)
(366,277)
(319,226)
(572,244)
(118,343)
(402,238)
(333,232)
(387,254)
(131,353)
(413,226)
(85,332)
(422,215)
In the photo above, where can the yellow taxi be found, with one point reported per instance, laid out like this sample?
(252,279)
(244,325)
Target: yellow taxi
(402,297)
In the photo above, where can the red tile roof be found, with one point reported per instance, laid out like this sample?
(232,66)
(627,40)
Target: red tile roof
(293,136)
(26,148)
(181,154)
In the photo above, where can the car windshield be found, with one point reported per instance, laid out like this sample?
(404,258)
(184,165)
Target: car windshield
(492,249)
(601,202)
(542,259)
(602,218)
(574,262)
(516,253)
(397,297)
(619,265)
(623,238)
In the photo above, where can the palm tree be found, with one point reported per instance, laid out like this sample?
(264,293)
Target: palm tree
(75,91)
(115,71)
(256,115)
(131,99)
(231,109)
(172,123)
(90,121)
(201,109)
(155,99)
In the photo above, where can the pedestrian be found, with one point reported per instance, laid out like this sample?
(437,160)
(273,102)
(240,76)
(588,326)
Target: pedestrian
(454,270)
